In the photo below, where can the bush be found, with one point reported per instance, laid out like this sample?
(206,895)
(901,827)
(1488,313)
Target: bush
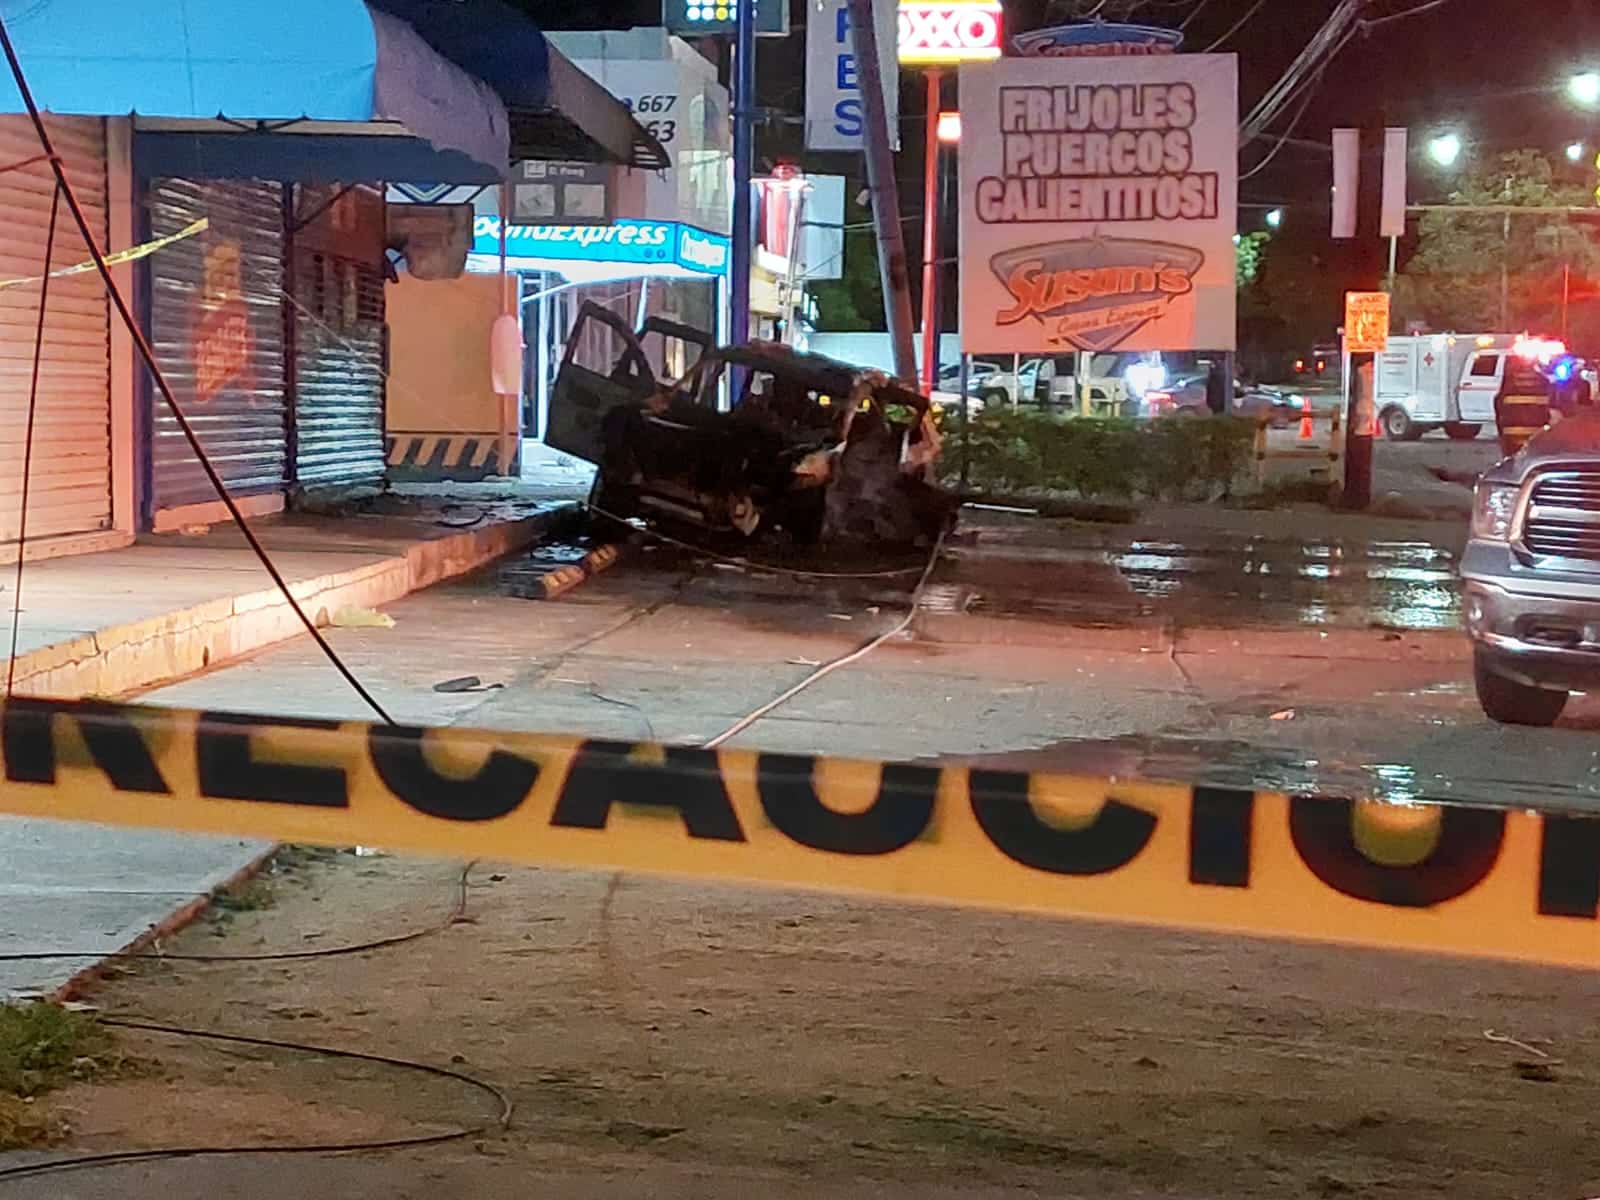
(1175,459)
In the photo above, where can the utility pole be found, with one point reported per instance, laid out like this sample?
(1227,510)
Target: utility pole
(744,137)
(893,271)
(930,236)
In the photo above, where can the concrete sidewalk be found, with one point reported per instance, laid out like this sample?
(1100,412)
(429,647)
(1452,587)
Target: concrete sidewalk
(114,623)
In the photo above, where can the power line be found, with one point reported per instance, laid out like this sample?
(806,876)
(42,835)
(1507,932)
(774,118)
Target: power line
(158,376)
(1237,25)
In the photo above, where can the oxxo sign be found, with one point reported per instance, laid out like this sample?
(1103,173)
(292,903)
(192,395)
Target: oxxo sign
(949,31)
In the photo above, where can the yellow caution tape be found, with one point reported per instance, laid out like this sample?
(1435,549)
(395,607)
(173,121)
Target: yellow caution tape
(1456,880)
(132,254)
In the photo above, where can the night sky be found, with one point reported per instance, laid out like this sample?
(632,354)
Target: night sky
(1477,64)
(1494,70)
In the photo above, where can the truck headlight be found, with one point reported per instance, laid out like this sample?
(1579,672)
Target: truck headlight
(1492,508)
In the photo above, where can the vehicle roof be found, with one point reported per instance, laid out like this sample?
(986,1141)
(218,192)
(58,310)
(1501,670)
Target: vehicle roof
(816,371)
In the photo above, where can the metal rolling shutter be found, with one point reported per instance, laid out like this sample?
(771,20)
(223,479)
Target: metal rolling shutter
(71,477)
(338,310)
(216,316)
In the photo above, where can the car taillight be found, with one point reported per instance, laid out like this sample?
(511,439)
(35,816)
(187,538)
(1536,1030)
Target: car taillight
(1155,400)
(1300,365)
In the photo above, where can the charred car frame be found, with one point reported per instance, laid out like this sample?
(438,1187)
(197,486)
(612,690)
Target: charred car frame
(749,439)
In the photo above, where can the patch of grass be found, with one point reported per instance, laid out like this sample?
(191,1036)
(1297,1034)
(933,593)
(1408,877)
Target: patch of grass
(43,1047)
(1103,461)
(252,896)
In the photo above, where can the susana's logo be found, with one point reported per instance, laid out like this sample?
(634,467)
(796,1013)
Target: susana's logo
(1094,293)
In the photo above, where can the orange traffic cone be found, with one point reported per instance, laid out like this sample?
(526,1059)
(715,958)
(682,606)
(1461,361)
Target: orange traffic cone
(1305,419)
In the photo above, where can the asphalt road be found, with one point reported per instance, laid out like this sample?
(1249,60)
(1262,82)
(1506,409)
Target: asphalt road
(1262,658)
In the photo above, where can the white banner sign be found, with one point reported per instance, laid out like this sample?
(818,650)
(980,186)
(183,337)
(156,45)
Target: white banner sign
(835,114)
(1099,201)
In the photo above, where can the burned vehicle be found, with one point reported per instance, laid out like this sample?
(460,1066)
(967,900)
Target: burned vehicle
(744,440)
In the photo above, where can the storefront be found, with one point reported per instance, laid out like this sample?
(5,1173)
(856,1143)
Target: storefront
(71,496)
(639,269)
(269,326)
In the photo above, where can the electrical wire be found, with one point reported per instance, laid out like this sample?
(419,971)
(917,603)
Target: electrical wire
(457,915)
(1294,122)
(1198,9)
(828,668)
(27,445)
(1416,10)
(749,564)
(147,355)
(1237,25)
(501,1122)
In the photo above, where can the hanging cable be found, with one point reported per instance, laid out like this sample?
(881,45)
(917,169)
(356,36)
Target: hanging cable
(147,355)
(1237,25)
(1288,133)
(500,1123)
(27,445)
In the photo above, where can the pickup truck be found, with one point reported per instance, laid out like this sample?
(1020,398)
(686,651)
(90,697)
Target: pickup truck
(1531,575)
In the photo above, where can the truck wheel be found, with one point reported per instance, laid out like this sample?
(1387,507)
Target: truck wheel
(1460,432)
(1512,703)
(995,398)
(1397,426)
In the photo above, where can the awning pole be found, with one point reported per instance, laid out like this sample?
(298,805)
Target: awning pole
(510,406)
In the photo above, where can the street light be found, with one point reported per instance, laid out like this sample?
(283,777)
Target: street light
(1585,88)
(1445,149)
(1575,152)
(1274,218)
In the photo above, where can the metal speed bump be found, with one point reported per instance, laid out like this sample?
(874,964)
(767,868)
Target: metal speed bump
(1457,880)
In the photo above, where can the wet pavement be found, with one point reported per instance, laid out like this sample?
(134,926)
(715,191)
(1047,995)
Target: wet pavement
(1299,657)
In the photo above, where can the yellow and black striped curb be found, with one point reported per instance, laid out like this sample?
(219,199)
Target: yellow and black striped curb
(441,455)
(533,580)
(1498,883)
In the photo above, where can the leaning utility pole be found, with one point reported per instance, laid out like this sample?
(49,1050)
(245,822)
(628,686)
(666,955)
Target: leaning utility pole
(893,271)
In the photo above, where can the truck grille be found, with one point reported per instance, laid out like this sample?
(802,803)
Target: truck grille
(1563,518)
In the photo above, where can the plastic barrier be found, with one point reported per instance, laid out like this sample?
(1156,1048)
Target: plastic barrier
(1457,880)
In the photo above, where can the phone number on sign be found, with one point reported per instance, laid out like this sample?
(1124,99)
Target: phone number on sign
(664,131)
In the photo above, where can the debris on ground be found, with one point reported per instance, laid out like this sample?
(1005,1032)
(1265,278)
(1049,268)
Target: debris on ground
(361,618)
(465,683)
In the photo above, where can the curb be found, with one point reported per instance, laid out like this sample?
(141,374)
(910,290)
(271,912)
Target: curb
(142,654)
(175,922)
(546,581)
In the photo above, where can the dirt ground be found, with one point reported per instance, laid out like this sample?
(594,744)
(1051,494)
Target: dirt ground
(673,1039)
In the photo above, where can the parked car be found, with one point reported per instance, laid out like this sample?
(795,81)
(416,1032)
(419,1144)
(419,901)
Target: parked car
(1531,575)
(1044,383)
(1186,397)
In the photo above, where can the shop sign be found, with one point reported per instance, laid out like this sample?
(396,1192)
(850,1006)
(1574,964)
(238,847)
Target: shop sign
(947,32)
(645,243)
(835,112)
(699,18)
(565,193)
(1097,40)
(1099,203)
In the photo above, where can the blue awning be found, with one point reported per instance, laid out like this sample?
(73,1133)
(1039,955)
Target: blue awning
(270,68)
(557,111)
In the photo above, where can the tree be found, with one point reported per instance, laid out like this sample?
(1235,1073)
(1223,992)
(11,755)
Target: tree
(1468,266)
(1247,257)
(853,303)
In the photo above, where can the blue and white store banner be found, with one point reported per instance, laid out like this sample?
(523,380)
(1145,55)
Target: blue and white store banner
(624,249)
